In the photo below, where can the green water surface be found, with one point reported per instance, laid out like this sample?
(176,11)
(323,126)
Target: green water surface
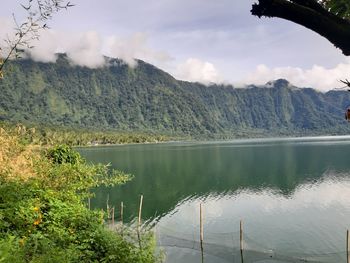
(293,196)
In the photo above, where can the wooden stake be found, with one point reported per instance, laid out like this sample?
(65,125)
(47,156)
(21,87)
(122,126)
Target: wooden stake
(139,223)
(240,235)
(140,211)
(347,247)
(108,211)
(201,232)
(89,203)
(241,238)
(113,214)
(121,212)
(121,217)
(201,222)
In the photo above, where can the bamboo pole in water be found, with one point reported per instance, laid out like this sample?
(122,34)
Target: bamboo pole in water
(347,247)
(139,222)
(113,214)
(121,217)
(108,210)
(140,211)
(241,238)
(121,212)
(201,232)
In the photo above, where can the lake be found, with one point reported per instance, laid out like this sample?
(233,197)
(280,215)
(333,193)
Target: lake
(292,196)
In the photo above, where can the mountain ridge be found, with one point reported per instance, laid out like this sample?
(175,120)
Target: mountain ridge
(145,98)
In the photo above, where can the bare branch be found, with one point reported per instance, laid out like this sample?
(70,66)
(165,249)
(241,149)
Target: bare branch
(39,12)
(346,82)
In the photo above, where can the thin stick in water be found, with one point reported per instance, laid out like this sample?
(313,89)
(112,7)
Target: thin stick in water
(347,247)
(241,238)
(108,211)
(121,217)
(113,214)
(121,212)
(139,222)
(201,232)
(201,222)
(140,211)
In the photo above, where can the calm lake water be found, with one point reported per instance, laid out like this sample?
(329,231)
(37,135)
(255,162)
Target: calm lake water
(292,195)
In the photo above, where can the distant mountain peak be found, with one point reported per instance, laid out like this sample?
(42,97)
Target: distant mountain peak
(278,83)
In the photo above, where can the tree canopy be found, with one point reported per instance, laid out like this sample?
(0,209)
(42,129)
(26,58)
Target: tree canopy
(329,18)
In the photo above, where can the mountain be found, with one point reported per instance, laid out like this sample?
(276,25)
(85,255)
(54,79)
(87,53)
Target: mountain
(146,98)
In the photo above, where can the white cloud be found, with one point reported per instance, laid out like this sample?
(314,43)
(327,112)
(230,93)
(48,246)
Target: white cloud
(87,48)
(196,70)
(83,49)
(317,77)
(45,48)
(134,46)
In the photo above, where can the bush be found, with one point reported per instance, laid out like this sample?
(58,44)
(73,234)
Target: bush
(64,154)
(44,218)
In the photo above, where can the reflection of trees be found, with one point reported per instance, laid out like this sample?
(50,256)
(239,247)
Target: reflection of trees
(167,174)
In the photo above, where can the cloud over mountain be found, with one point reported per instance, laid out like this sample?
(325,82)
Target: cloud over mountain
(197,70)
(317,77)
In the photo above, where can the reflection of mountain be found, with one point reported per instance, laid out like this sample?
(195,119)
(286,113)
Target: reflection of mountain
(148,99)
(169,173)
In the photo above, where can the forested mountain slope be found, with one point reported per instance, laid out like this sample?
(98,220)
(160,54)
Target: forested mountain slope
(145,98)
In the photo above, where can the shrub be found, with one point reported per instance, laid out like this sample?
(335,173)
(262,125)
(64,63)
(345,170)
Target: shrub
(44,218)
(64,154)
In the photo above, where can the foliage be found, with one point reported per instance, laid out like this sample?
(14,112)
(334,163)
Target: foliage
(117,104)
(338,7)
(44,218)
(64,154)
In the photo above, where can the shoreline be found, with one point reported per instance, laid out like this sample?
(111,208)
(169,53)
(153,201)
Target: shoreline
(281,139)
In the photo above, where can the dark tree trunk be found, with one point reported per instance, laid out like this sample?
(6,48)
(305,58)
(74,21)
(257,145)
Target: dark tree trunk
(309,14)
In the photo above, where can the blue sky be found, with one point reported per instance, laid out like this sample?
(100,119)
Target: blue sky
(197,40)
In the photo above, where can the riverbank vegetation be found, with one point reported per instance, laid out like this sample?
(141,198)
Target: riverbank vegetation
(43,207)
(52,135)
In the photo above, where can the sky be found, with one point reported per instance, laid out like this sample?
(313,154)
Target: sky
(196,40)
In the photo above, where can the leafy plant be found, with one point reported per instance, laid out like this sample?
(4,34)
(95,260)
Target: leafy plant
(64,154)
(44,218)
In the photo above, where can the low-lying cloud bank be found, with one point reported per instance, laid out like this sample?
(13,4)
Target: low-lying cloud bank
(199,71)
(88,49)
(317,77)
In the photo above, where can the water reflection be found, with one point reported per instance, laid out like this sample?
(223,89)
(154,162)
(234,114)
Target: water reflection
(168,173)
(309,224)
(292,195)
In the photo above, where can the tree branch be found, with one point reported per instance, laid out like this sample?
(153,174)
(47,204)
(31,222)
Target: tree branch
(311,15)
(38,12)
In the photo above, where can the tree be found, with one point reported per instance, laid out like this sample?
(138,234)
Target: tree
(329,18)
(38,13)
